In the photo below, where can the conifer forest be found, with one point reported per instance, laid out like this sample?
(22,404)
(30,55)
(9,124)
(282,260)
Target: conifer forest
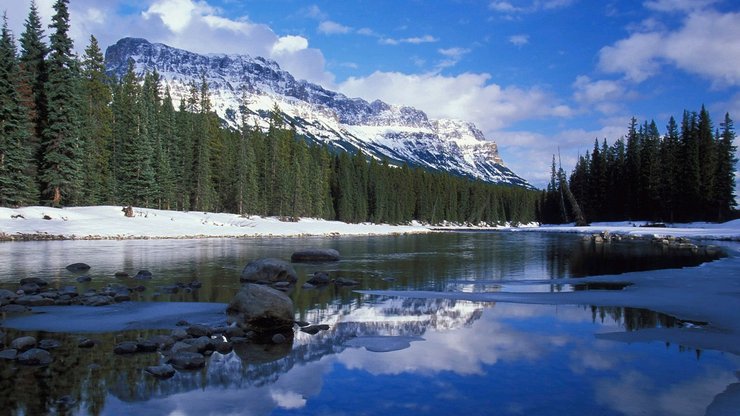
(73,136)
(70,135)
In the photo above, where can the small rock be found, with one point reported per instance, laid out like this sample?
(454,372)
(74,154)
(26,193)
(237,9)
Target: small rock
(35,356)
(281,285)
(121,275)
(78,267)
(202,344)
(30,288)
(163,341)
(34,280)
(234,331)
(49,344)
(143,275)
(14,309)
(121,297)
(223,347)
(319,278)
(179,334)
(302,323)
(9,354)
(69,291)
(342,281)
(268,271)
(139,288)
(85,343)
(195,284)
(97,300)
(187,360)
(199,331)
(126,347)
(308,286)
(314,329)
(163,371)
(239,340)
(315,256)
(147,346)
(182,322)
(278,339)
(7,294)
(83,279)
(183,346)
(23,343)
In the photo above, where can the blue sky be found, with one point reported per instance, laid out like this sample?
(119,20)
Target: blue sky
(534,75)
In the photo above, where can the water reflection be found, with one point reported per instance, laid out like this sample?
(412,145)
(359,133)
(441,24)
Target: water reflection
(474,357)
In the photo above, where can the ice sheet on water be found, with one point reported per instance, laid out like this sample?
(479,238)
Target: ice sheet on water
(119,317)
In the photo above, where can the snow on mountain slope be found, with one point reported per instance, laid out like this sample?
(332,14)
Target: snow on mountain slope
(398,133)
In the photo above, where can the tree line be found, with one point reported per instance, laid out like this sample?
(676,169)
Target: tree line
(686,174)
(70,135)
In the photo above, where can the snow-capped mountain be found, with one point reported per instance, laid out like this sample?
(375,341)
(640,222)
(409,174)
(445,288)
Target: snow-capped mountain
(397,133)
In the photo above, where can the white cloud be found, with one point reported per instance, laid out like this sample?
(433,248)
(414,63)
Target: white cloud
(707,44)
(606,96)
(176,14)
(412,40)
(530,7)
(678,5)
(289,44)
(519,40)
(456,53)
(468,96)
(329,27)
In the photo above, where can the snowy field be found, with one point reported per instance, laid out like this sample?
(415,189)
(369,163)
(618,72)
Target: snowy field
(109,222)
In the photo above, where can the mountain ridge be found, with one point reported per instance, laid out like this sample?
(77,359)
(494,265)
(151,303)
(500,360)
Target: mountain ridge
(400,134)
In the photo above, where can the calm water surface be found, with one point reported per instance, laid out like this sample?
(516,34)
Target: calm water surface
(452,357)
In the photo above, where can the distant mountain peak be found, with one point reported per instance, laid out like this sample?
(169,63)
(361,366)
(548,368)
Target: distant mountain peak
(400,134)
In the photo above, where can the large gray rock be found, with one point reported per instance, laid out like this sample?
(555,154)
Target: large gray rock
(315,255)
(268,271)
(261,308)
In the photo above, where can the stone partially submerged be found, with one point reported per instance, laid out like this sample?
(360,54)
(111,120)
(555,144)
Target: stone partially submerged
(261,309)
(316,255)
(268,271)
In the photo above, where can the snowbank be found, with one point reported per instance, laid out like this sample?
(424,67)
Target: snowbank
(109,222)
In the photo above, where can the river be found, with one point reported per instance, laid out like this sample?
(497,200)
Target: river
(382,354)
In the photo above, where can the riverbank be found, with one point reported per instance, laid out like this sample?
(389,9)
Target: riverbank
(110,223)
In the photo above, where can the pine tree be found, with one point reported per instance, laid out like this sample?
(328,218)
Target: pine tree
(16,181)
(96,129)
(60,170)
(34,76)
(725,174)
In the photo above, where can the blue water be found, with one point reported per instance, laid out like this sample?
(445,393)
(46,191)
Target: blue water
(465,358)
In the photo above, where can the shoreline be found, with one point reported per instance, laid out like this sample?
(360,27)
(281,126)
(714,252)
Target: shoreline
(106,223)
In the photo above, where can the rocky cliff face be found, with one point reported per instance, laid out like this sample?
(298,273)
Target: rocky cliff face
(397,133)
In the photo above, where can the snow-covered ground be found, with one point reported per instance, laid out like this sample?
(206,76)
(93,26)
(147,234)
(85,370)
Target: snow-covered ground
(109,222)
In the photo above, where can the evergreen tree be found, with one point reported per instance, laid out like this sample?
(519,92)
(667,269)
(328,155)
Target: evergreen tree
(725,174)
(34,77)
(16,180)
(96,128)
(60,170)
